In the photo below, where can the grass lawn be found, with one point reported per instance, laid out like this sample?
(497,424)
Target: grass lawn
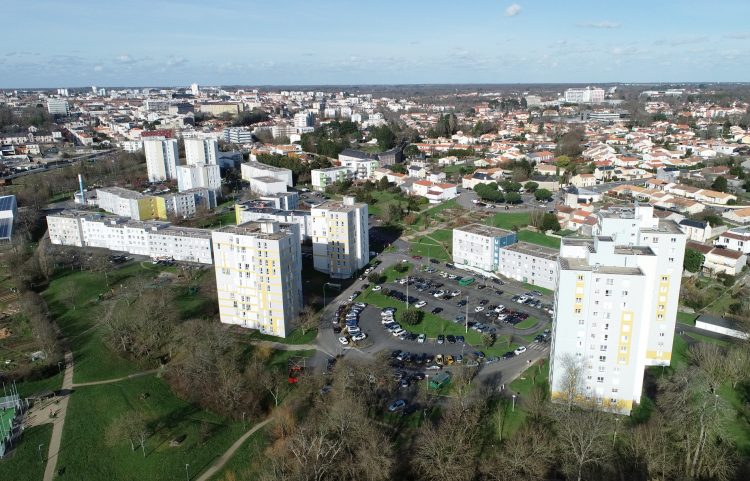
(508,220)
(443,235)
(23,464)
(527,323)
(707,339)
(381,199)
(94,360)
(538,238)
(536,375)
(245,462)
(428,248)
(543,290)
(448,204)
(29,388)
(86,455)
(391,274)
(686,318)
(280,359)
(566,232)
(227,218)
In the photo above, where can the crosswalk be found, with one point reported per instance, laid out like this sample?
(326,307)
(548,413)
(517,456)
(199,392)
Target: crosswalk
(538,346)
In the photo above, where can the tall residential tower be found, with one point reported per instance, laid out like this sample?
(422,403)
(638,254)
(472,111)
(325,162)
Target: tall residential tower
(162,158)
(616,307)
(341,243)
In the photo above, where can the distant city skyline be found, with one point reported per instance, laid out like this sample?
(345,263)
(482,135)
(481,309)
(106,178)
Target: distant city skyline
(329,42)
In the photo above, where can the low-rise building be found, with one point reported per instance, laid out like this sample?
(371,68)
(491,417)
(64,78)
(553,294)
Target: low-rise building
(478,246)
(695,230)
(251,170)
(718,260)
(251,211)
(529,263)
(267,185)
(735,239)
(129,203)
(738,216)
(322,178)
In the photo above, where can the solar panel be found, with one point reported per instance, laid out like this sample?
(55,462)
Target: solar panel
(6,202)
(6,228)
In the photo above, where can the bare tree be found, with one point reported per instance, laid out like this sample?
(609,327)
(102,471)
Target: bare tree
(582,434)
(571,382)
(307,320)
(737,364)
(527,456)
(132,427)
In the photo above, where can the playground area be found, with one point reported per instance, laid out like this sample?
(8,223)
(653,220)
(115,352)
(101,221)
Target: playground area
(10,425)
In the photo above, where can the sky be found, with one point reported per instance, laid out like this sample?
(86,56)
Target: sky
(76,43)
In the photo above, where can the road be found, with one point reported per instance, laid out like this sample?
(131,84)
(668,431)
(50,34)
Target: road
(59,422)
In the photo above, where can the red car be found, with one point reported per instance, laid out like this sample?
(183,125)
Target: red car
(416,257)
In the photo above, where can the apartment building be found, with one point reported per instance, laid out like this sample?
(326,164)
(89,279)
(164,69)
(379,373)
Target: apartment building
(477,246)
(322,178)
(529,263)
(251,212)
(361,164)
(201,151)
(259,275)
(340,236)
(252,169)
(186,203)
(192,176)
(162,158)
(237,135)
(8,214)
(148,238)
(615,307)
(588,95)
(58,106)
(130,203)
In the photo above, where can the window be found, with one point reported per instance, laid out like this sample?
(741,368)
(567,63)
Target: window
(600,379)
(580,321)
(602,358)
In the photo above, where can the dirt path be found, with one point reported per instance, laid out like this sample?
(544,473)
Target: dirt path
(59,421)
(216,467)
(109,381)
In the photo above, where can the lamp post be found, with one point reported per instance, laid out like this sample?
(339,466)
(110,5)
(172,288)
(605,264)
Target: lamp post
(187,473)
(39,450)
(466,318)
(614,437)
(513,408)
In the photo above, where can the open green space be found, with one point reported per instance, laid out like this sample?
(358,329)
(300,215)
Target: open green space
(280,359)
(245,462)
(294,337)
(537,376)
(686,318)
(543,290)
(86,452)
(29,388)
(381,199)
(527,323)
(24,463)
(428,248)
(509,220)
(448,204)
(94,360)
(538,238)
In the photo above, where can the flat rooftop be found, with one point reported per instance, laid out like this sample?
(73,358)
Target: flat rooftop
(254,229)
(576,264)
(534,250)
(339,206)
(666,226)
(121,192)
(261,165)
(267,179)
(485,230)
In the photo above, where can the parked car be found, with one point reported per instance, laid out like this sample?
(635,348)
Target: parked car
(343,340)
(397,405)
(439,359)
(437,310)
(451,339)
(440,339)
(377,288)
(421,338)
(520,350)
(359,337)
(420,304)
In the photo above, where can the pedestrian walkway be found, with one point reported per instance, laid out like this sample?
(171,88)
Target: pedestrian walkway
(59,421)
(216,467)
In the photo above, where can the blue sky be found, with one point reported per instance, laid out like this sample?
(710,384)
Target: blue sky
(49,43)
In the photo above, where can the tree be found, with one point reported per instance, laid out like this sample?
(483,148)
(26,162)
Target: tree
(131,427)
(531,186)
(385,137)
(513,198)
(375,278)
(582,435)
(411,316)
(411,150)
(307,319)
(720,184)
(549,222)
(693,261)
(543,194)
(392,214)
(527,457)
(488,339)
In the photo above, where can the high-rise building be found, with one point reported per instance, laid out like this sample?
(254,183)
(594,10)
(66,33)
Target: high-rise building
(304,119)
(341,244)
(198,175)
(201,151)
(259,275)
(238,135)
(162,158)
(615,307)
(588,95)
(58,107)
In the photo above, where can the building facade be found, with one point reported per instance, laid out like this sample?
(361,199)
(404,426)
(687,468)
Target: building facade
(207,176)
(129,203)
(162,158)
(615,307)
(201,151)
(322,178)
(529,263)
(252,169)
(340,236)
(478,246)
(259,276)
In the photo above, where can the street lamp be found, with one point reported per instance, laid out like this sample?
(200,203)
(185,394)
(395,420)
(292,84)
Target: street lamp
(187,473)
(614,438)
(513,408)
(39,449)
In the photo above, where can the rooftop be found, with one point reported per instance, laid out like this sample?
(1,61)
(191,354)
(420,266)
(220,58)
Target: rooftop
(534,250)
(485,230)
(576,264)
(256,229)
(121,192)
(261,165)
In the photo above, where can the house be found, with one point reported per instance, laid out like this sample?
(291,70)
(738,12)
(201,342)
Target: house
(718,260)
(738,216)
(583,180)
(698,231)
(546,182)
(547,169)
(434,192)
(735,239)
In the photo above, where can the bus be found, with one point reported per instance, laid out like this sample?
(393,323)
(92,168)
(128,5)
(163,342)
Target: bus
(466,281)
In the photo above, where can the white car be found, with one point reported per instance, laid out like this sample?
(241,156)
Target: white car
(386,319)
(377,288)
(343,340)
(398,332)
(438,294)
(421,339)
(359,337)
(420,304)
(519,350)
(500,308)
(522,299)
(354,330)
(456,293)
(479,309)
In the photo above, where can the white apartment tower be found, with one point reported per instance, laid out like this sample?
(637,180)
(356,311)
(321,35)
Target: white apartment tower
(341,244)
(162,158)
(616,307)
(201,151)
(259,275)
(195,176)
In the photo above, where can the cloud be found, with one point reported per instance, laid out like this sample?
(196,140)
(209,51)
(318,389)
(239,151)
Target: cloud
(176,61)
(98,68)
(676,42)
(600,24)
(738,35)
(125,58)
(513,10)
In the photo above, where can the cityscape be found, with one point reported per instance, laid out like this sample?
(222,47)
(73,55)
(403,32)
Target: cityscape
(407,263)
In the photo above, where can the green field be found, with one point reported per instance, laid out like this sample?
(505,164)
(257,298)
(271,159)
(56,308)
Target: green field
(94,360)
(85,454)
(28,388)
(245,462)
(538,238)
(686,318)
(533,377)
(509,220)
(23,464)
(448,204)
(527,323)
(381,199)
(428,248)
(294,337)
